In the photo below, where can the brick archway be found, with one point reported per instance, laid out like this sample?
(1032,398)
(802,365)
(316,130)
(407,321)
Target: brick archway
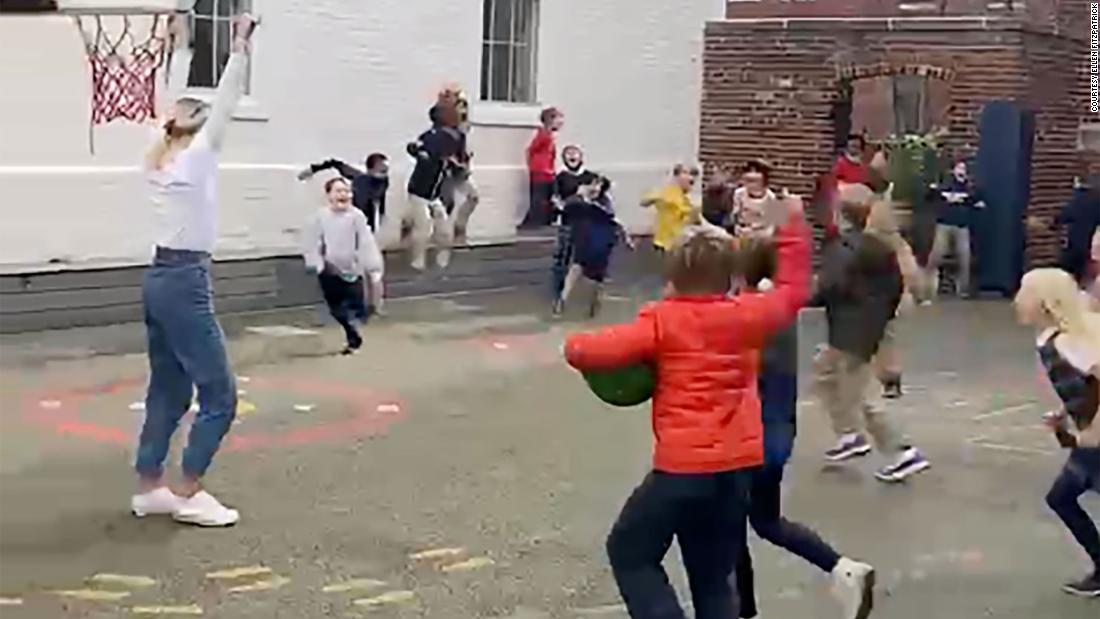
(850,72)
(771,88)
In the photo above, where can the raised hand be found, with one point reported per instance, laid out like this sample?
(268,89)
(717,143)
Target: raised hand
(243,27)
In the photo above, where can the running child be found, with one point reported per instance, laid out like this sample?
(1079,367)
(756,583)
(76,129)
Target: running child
(566,185)
(595,231)
(704,346)
(853,582)
(674,207)
(368,187)
(1069,349)
(459,194)
(340,249)
(368,194)
(434,151)
(541,154)
(882,223)
(860,286)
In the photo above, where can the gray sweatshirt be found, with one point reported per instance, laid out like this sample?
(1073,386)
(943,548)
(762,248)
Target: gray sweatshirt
(342,239)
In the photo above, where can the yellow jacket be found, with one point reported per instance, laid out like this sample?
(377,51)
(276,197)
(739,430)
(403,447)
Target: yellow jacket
(674,212)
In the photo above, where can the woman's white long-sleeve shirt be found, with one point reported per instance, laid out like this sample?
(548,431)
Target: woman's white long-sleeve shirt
(184,192)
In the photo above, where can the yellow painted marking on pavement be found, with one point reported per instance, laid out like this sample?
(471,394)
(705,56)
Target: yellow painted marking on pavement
(11,601)
(393,597)
(357,584)
(244,407)
(437,553)
(167,610)
(93,595)
(240,572)
(468,564)
(276,582)
(134,582)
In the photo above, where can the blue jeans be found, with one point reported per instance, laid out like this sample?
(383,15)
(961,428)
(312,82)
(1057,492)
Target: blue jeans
(1080,474)
(186,352)
(705,513)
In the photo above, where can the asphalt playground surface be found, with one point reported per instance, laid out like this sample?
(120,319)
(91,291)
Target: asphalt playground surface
(456,468)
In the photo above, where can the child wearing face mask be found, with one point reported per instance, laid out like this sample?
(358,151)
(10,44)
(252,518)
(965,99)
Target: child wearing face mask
(340,249)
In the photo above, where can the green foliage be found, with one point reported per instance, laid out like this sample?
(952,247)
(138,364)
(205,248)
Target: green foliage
(915,163)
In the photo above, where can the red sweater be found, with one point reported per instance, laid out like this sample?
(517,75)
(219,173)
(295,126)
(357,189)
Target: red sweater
(541,154)
(847,171)
(706,350)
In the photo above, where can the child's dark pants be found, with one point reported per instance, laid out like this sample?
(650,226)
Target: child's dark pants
(766,517)
(706,514)
(346,301)
(1080,474)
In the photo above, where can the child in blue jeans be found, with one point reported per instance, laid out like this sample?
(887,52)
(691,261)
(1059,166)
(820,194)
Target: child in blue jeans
(1069,349)
(853,582)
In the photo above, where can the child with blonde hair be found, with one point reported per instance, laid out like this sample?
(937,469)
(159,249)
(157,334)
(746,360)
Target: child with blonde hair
(1069,348)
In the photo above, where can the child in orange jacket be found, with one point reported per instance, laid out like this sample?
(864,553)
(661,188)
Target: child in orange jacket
(705,347)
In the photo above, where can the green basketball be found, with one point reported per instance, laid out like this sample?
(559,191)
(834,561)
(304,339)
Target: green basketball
(629,386)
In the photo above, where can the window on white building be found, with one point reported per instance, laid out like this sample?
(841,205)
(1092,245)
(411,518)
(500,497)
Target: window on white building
(509,50)
(211,39)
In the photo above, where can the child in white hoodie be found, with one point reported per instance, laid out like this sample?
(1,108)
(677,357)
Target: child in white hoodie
(340,249)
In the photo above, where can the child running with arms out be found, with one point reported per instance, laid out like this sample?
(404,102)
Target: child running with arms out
(340,249)
(1069,349)
(368,194)
(704,345)
(594,232)
(566,185)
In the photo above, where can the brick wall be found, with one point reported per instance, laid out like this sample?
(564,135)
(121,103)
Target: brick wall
(770,87)
(1034,9)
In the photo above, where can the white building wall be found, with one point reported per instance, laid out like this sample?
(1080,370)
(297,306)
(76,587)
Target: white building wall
(333,78)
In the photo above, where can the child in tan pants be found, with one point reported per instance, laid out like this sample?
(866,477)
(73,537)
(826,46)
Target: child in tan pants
(882,223)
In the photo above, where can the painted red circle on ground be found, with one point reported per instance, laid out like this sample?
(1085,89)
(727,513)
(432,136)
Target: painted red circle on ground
(372,413)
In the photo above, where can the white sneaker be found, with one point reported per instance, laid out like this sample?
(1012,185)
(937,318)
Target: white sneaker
(854,588)
(205,511)
(159,502)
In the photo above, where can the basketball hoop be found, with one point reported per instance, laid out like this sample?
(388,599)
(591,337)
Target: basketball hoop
(126,45)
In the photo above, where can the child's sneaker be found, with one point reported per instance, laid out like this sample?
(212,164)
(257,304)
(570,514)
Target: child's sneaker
(1088,588)
(159,502)
(891,388)
(204,510)
(848,447)
(558,308)
(910,462)
(854,588)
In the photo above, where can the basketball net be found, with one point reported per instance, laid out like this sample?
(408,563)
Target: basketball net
(123,62)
